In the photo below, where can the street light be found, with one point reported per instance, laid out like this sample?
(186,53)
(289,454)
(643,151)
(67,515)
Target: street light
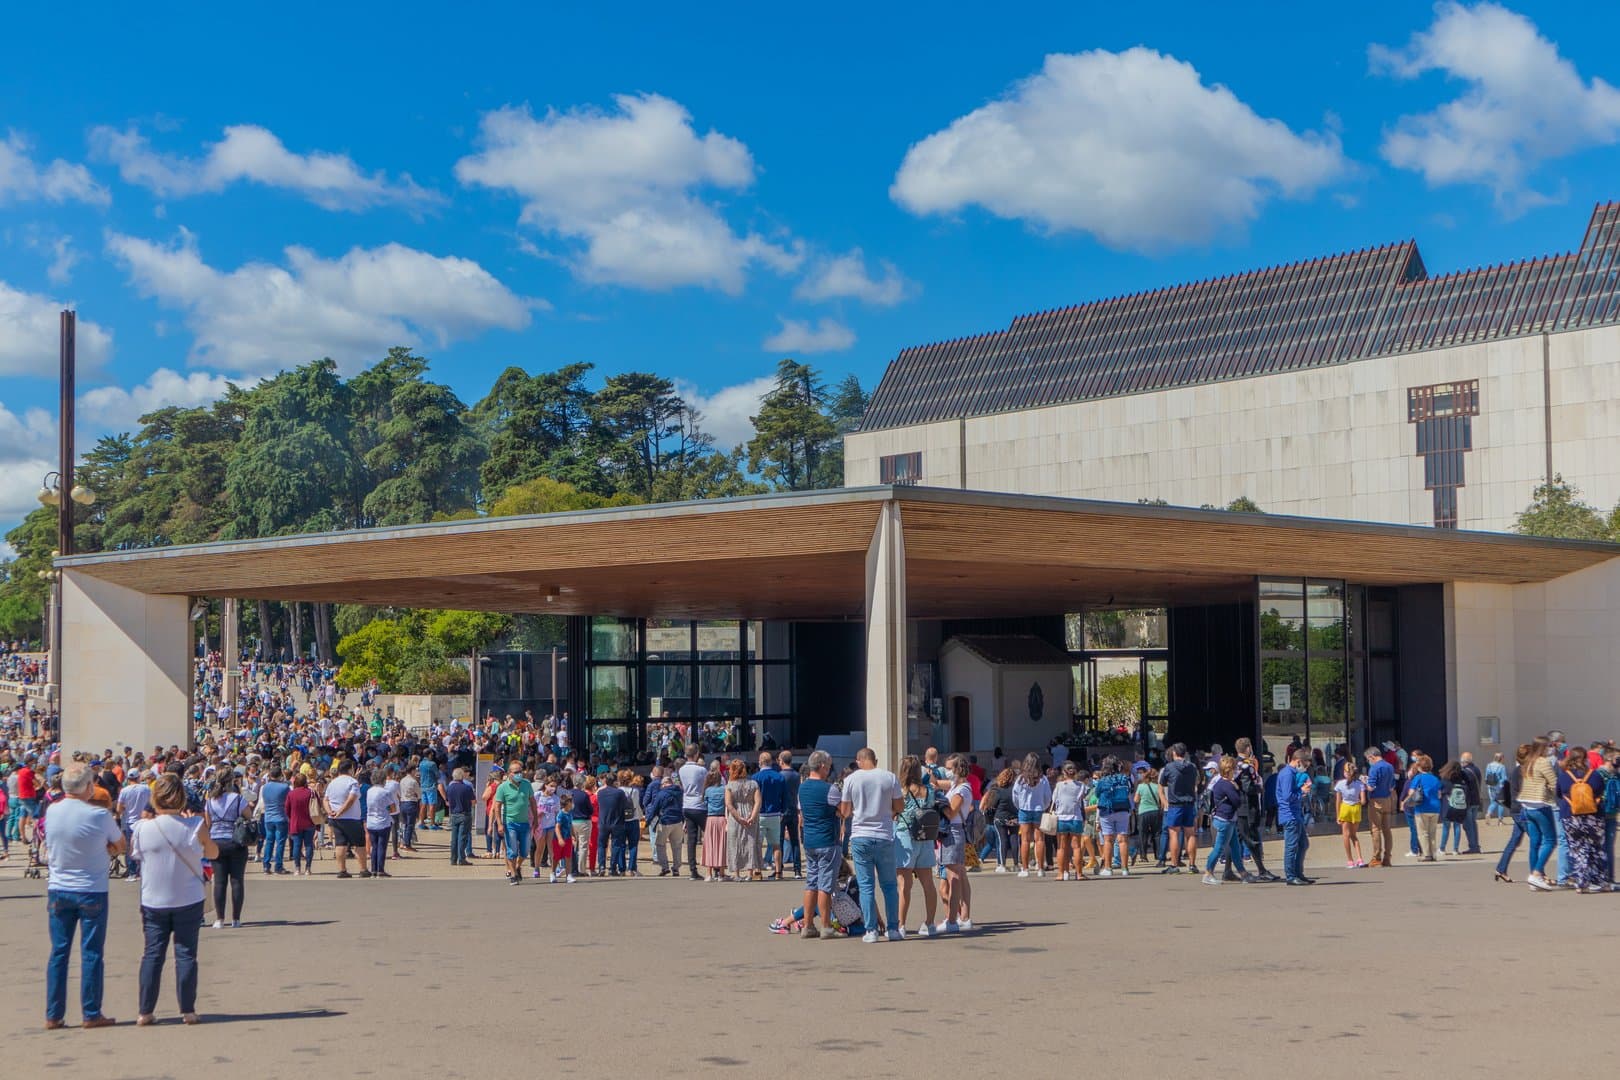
(50,491)
(82,495)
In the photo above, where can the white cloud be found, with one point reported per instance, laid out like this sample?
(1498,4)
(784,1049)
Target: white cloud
(63,257)
(27,447)
(846,276)
(1524,103)
(30,335)
(1130,147)
(22,180)
(115,408)
(249,153)
(728,413)
(258,317)
(799,337)
(629,187)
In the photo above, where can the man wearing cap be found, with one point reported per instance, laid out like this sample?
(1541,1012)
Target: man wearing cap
(1381,809)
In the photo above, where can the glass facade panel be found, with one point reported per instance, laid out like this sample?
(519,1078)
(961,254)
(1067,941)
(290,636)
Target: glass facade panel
(612,639)
(669,691)
(1282,705)
(669,639)
(612,692)
(719,690)
(719,640)
(1137,628)
(1282,616)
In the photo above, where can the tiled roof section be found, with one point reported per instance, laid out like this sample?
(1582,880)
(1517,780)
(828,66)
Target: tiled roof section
(1374,302)
(1018,650)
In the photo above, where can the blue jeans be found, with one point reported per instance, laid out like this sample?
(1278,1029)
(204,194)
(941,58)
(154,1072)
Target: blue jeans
(618,861)
(1225,838)
(1452,832)
(1471,829)
(1411,831)
(1539,823)
(1294,847)
(303,848)
(86,912)
(275,839)
(161,924)
(632,841)
(132,863)
(1512,842)
(1563,848)
(460,838)
(874,870)
(790,843)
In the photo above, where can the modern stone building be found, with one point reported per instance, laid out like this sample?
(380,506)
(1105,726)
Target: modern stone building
(1354,386)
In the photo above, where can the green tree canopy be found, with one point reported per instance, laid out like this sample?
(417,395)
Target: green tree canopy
(1556,510)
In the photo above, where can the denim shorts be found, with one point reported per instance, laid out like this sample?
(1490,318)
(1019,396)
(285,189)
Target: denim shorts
(821,868)
(1116,824)
(1029,817)
(517,839)
(1071,828)
(1181,816)
(952,844)
(912,854)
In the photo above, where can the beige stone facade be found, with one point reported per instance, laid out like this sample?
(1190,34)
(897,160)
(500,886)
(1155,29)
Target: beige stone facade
(1331,442)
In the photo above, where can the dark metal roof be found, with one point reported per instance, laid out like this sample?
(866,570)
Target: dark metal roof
(1373,302)
(1020,650)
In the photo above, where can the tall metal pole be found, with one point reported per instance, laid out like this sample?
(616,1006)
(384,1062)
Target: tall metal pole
(64,507)
(64,510)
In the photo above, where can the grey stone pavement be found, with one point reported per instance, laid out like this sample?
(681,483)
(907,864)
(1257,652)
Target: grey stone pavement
(1431,970)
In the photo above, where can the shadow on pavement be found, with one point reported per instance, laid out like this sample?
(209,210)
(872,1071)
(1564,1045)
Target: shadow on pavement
(991,929)
(289,1014)
(287,922)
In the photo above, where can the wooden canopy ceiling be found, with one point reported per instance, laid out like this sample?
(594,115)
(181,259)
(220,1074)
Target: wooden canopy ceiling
(804,555)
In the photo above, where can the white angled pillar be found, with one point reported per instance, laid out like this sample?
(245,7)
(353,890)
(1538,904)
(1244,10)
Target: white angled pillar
(886,638)
(127,662)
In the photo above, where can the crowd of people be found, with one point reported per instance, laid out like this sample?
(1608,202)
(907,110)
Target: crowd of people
(273,788)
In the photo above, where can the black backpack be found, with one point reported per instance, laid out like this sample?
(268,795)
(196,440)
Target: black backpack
(924,819)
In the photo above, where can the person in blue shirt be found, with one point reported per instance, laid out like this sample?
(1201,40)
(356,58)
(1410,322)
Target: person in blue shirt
(1293,781)
(818,840)
(772,793)
(1423,799)
(1380,805)
(429,772)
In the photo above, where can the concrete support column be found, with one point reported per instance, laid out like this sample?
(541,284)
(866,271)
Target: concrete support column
(128,661)
(230,652)
(886,638)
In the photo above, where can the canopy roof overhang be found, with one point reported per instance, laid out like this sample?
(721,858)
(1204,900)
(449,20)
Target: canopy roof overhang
(796,555)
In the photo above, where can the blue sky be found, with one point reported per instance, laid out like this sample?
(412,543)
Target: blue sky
(638,187)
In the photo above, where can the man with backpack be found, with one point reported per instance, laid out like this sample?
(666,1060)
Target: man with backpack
(1476,792)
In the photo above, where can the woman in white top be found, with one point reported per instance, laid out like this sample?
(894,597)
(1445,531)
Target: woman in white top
(1068,803)
(1032,794)
(954,890)
(170,848)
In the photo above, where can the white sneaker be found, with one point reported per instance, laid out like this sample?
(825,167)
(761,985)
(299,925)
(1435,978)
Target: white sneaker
(1024,872)
(569,879)
(1124,872)
(1040,873)
(897,934)
(926,930)
(947,928)
(219,924)
(1105,872)
(1211,879)
(965,924)
(1411,854)
(870,937)
(1001,869)
(1537,882)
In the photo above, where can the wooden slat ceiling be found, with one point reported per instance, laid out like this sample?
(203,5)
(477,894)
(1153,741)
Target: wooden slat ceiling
(803,556)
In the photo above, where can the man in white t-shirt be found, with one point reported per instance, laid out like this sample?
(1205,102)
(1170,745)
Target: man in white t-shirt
(692,776)
(870,801)
(345,817)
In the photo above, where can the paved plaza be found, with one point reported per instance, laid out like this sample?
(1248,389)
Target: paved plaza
(1433,970)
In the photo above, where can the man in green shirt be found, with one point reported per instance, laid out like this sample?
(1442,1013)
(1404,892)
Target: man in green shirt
(514,802)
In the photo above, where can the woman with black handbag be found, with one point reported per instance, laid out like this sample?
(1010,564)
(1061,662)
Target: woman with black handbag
(232,831)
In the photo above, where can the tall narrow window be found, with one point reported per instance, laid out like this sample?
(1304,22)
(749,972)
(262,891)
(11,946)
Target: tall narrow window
(904,469)
(1443,415)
